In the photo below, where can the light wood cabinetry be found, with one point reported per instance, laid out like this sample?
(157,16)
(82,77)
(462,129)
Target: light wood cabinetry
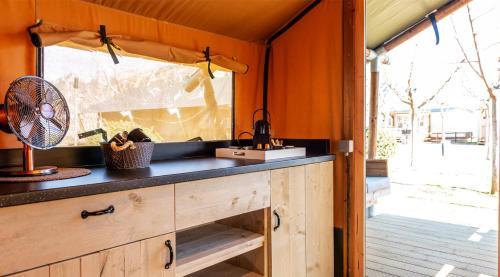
(302,198)
(225,270)
(208,200)
(211,244)
(145,258)
(269,223)
(38,272)
(48,232)
(142,258)
(319,219)
(288,239)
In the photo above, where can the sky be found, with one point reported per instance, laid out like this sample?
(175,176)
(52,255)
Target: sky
(433,64)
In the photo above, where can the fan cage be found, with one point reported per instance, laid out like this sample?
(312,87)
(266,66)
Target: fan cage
(37,112)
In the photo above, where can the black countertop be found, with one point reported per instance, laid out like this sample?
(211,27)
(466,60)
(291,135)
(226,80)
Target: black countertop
(102,180)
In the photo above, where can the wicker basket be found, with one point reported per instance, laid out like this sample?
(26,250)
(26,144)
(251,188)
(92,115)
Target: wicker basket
(140,157)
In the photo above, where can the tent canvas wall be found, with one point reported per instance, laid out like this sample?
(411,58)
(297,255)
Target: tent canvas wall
(316,86)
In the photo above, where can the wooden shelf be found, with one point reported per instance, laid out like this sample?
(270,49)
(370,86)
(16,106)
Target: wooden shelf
(224,270)
(207,245)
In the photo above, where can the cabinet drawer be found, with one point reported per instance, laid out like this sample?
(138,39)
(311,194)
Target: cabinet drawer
(43,233)
(208,200)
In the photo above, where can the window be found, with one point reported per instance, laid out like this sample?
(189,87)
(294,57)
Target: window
(170,102)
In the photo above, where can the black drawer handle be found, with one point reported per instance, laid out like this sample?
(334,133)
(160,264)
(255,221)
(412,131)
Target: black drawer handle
(108,210)
(171,252)
(278,220)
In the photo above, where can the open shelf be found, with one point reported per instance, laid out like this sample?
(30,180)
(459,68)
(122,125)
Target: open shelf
(207,245)
(224,270)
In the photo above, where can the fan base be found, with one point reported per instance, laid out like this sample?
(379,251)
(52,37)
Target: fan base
(18,171)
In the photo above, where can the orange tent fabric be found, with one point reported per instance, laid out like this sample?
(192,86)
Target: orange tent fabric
(316,90)
(239,19)
(17,53)
(47,34)
(306,81)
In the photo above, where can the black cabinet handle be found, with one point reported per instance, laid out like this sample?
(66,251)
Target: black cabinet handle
(108,210)
(278,220)
(171,252)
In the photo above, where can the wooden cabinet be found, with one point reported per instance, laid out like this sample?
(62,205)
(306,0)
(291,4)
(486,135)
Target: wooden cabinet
(146,258)
(319,219)
(302,198)
(38,272)
(277,222)
(208,245)
(49,232)
(143,258)
(204,201)
(288,232)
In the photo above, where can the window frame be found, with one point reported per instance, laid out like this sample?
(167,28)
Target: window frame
(40,70)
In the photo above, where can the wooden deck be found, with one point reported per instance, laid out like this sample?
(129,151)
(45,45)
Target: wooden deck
(402,246)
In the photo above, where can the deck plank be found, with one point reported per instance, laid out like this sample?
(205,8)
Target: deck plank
(436,238)
(376,273)
(438,227)
(433,245)
(388,269)
(432,263)
(400,246)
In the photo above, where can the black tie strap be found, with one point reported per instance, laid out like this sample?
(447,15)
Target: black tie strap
(109,43)
(207,58)
(35,38)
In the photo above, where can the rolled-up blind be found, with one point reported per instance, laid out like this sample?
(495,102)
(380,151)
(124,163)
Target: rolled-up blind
(47,35)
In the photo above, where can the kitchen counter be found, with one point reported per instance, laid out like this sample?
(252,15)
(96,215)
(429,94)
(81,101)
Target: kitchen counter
(102,180)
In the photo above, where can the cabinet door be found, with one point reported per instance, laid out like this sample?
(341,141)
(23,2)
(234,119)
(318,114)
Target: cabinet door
(319,219)
(288,244)
(146,258)
(38,272)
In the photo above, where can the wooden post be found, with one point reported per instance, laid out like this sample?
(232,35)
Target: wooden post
(354,51)
(374,85)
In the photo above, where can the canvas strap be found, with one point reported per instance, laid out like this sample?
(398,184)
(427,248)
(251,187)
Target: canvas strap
(109,43)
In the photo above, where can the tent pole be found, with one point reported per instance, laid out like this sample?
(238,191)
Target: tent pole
(266,81)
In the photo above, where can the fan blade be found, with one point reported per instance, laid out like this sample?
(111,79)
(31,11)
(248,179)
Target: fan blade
(48,94)
(37,135)
(54,133)
(56,123)
(62,114)
(20,109)
(26,128)
(22,99)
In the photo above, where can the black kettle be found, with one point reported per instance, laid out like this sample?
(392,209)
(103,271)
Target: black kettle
(262,131)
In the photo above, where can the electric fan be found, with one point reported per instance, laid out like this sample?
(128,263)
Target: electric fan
(37,113)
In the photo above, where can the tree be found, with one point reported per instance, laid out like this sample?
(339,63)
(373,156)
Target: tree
(476,63)
(408,98)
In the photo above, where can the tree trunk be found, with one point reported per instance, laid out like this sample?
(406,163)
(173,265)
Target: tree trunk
(493,147)
(372,140)
(412,134)
(487,135)
(443,134)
